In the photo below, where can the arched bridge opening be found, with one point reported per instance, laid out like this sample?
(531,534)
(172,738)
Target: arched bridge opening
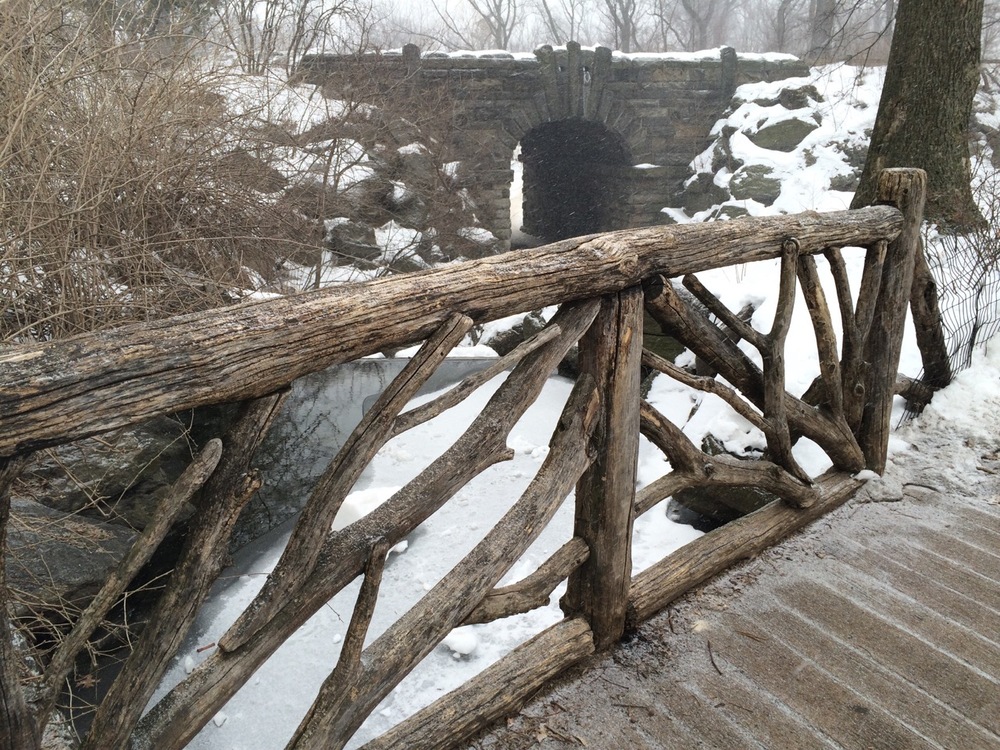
(576,180)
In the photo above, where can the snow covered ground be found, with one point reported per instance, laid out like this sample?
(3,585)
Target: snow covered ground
(264,714)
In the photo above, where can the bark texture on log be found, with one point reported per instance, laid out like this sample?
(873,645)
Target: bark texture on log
(611,353)
(907,189)
(497,691)
(61,391)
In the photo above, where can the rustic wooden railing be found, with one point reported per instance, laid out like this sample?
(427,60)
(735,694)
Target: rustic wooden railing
(59,392)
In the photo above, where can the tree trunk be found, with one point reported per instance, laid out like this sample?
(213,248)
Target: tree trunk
(923,116)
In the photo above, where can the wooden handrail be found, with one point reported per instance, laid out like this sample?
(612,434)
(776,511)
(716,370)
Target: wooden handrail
(61,391)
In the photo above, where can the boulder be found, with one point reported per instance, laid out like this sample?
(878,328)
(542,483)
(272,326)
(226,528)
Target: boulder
(351,241)
(784,135)
(118,476)
(701,193)
(755,182)
(55,557)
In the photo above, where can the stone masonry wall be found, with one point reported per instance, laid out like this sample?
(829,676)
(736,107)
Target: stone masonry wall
(661,107)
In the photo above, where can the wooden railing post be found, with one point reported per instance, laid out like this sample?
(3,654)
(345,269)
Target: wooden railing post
(611,352)
(906,189)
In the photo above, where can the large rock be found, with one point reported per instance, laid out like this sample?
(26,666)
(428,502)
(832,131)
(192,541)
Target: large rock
(118,476)
(351,241)
(57,559)
(785,135)
(755,182)
(701,193)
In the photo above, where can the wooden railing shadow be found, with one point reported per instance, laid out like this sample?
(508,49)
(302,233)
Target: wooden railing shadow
(250,353)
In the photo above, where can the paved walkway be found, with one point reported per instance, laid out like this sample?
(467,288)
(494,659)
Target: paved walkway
(878,627)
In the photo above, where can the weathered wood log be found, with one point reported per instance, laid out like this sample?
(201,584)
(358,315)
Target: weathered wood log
(534,590)
(61,391)
(697,561)
(497,691)
(201,561)
(611,353)
(167,511)
(425,412)
(710,343)
(855,325)
(172,722)
(907,189)
(306,540)
(722,470)
(17,726)
(332,720)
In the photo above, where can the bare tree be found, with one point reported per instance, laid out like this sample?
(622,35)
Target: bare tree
(492,23)
(258,31)
(564,20)
(622,18)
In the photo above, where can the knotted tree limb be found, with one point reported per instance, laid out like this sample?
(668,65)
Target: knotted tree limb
(772,351)
(856,324)
(202,558)
(179,716)
(331,721)
(906,188)
(704,470)
(167,511)
(534,590)
(17,726)
(314,522)
(426,412)
(611,353)
(709,342)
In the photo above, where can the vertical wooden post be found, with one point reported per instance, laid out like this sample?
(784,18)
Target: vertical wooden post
(17,728)
(611,352)
(906,189)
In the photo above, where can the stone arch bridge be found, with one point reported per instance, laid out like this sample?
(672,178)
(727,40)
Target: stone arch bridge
(606,138)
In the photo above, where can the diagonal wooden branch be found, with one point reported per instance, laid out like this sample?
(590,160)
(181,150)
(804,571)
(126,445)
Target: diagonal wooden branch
(415,634)
(534,590)
(167,511)
(342,684)
(306,540)
(172,722)
(410,419)
(659,490)
(705,470)
(709,342)
(17,727)
(204,554)
(779,439)
(729,319)
(706,384)
(498,691)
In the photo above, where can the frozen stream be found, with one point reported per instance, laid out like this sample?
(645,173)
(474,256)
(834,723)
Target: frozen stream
(266,711)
